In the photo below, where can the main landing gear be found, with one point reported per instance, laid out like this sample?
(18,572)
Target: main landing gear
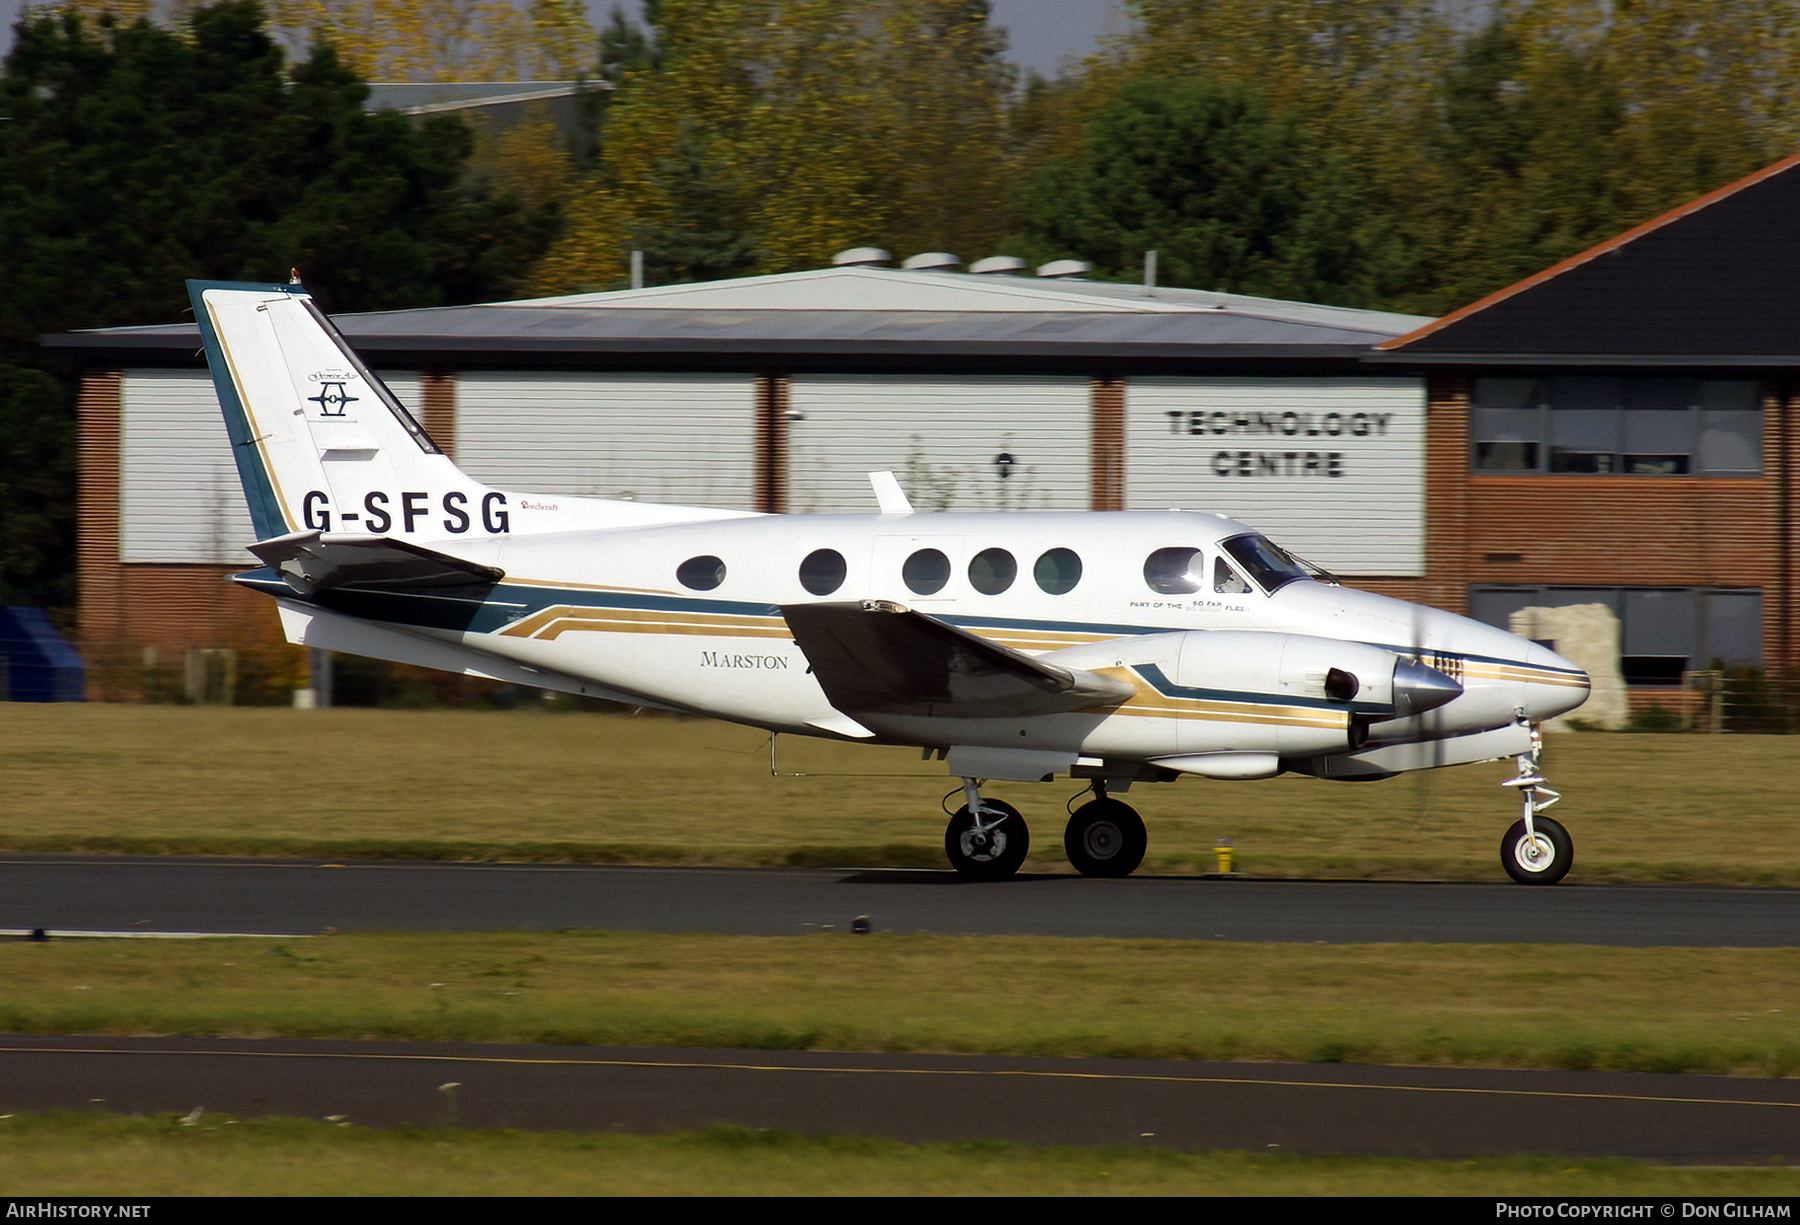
(988,839)
(1537,850)
(1105,837)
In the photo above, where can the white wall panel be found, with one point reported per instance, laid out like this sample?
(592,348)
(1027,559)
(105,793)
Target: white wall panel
(687,439)
(179,497)
(1333,469)
(940,436)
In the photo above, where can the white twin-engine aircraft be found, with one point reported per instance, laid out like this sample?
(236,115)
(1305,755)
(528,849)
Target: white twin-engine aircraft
(1113,648)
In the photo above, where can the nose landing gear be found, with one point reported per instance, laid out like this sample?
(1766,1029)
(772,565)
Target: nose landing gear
(1537,850)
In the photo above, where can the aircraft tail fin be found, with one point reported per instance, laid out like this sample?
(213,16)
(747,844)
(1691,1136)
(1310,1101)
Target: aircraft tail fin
(321,443)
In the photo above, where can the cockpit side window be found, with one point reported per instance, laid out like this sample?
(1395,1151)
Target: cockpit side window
(1227,581)
(1265,561)
(1175,571)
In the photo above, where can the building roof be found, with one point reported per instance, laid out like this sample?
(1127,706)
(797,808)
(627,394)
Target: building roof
(438,97)
(1714,282)
(844,314)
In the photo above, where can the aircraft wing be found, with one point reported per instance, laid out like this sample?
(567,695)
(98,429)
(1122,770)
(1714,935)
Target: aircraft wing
(879,658)
(311,562)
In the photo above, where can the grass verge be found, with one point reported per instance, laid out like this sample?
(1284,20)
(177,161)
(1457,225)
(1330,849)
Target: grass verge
(82,1154)
(530,785)
(1654,1010)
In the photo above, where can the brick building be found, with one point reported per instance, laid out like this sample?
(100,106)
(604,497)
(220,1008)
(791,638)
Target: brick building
(1618,429)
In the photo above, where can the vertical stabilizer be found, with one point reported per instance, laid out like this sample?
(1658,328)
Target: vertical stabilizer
(321,444)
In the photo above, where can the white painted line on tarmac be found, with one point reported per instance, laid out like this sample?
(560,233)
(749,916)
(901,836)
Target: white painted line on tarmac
(57,933)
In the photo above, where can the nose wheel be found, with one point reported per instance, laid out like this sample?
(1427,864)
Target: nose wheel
(1537,856)
(1105,838)
(1537,850)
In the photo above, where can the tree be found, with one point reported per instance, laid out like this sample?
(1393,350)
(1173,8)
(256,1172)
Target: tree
(1227,194)
(134,158)
(1547,134)
(818,125)
(699,236)
(407,40)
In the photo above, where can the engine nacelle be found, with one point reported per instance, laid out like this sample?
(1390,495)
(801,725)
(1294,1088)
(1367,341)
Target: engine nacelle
(1246,691)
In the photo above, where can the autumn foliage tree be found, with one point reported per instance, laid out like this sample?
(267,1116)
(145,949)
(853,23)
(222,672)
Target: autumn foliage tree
(133,158)
(1462,159)
(405,40)
(799,127)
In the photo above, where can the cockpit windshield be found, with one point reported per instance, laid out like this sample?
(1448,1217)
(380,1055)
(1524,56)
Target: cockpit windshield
(1266,562)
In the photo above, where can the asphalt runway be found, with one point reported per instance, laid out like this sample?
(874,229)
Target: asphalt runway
(1436,1112)
(148,894)
(1414,1112)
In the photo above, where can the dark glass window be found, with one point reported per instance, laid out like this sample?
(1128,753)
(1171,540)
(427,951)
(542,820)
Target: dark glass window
(1268,563)
(1174,571)
(701,573)
(1631,426)
(1057,571)
(822,572)
(926,572)
(1227,581)
(992,571)
(1663,631)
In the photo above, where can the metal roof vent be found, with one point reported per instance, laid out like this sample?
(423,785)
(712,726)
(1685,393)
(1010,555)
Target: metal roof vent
(931,261)
(1064,268)
(998,265)
(861,257)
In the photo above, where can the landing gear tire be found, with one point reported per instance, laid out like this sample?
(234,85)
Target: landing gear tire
(1105,838)
(1542,861)
(992,851)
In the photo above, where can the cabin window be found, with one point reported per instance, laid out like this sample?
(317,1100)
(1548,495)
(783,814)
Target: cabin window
(823,571)
(926,572)
(992,571)
(1588,425)
(1057,571)
(1227,581)
(1174,571)
(701,573)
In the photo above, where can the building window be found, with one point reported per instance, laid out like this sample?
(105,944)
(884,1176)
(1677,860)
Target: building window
(1629,426)
(1663,631)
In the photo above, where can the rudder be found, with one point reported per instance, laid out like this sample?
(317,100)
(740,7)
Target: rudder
(320,442)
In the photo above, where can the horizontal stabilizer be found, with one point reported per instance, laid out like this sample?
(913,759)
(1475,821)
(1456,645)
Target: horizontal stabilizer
(878,658)
(312,562)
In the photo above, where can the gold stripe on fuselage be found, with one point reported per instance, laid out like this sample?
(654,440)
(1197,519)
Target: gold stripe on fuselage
(550,623)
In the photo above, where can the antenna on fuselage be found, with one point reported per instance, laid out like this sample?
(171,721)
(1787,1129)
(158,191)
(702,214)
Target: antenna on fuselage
(888,494)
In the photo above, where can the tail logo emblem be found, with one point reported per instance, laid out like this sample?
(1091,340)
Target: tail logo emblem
(331,399)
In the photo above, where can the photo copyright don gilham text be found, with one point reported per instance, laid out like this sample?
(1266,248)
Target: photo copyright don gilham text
(1644,1210)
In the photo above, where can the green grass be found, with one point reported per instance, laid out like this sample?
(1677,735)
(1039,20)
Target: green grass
(82,1154)
(1658,1010)
(603,788)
